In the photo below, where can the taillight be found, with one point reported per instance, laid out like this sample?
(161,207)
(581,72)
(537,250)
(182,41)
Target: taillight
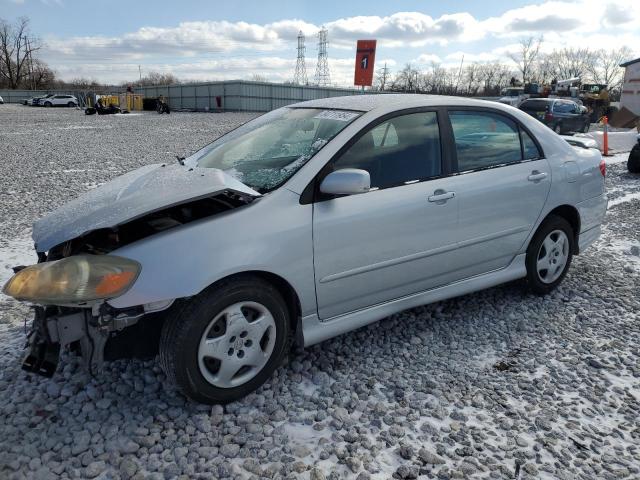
(603,168)
(548,116)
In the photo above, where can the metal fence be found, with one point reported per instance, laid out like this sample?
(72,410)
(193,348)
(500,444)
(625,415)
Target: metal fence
(239,95)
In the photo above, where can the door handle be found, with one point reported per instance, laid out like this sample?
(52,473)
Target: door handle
(441,196)
(536,176)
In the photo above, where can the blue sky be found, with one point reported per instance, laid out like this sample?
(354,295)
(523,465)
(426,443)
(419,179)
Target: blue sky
(107,40)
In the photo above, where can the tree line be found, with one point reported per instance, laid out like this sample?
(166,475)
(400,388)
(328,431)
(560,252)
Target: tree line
(20,67)
(527,65)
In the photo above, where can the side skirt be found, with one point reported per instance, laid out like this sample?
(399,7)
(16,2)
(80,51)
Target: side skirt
(315,330)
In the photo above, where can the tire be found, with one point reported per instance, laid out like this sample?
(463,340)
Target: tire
(71,104)
(553,228)
(48,104)
(202,323)
(585,127)
(558,128)
(633,163)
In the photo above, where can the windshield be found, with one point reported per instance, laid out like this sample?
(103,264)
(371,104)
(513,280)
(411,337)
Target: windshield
(266,152)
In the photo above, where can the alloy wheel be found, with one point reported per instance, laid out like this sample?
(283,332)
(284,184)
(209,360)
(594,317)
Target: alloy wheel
(552,256)
(237,344)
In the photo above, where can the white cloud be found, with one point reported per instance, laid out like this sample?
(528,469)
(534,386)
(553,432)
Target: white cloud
(226,49)
(427,59)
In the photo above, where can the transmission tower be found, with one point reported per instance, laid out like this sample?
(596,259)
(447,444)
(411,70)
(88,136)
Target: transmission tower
(300,77)
(322,77)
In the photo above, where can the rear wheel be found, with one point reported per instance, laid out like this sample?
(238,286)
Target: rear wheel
(227,341)
(48,104)
(585,127)
(71,104)
(558,128)
(549,255)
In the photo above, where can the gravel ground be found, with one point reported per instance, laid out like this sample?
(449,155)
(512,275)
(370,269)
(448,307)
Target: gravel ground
(498,384)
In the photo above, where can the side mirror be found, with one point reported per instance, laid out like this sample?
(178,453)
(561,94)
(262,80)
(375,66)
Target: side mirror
(347,181)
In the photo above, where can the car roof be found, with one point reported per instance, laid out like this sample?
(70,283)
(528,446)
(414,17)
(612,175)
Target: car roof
(367,103)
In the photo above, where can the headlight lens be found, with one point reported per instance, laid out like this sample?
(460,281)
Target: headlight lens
(73,280)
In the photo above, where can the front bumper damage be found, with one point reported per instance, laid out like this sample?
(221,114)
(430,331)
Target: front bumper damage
(56,329)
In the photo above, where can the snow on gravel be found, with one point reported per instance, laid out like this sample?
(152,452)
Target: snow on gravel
(482,386)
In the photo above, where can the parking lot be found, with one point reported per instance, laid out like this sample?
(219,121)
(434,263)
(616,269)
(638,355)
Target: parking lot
(498,384)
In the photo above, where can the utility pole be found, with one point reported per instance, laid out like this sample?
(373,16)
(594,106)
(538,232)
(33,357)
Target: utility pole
(30,63)
(383,75)
(140,73)
(300,76)
(322,77)
(459,74)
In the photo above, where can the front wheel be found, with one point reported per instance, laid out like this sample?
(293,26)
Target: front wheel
(549,255)
(558,128)
(227,341)
(48,104)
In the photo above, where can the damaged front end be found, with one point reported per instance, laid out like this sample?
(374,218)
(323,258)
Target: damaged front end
(84,330)
(77,274)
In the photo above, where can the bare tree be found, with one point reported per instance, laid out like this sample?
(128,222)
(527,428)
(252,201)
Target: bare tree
(157,78)
(605,67)
(41,77)
(81,83)
(526,56)
(16,51)
(382,78)
(567,63)
(406,79)
(256,77)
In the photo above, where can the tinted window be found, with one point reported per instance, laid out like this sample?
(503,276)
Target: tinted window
(535,105)
(564,107)
(529,148)
(402,149)
(484,140)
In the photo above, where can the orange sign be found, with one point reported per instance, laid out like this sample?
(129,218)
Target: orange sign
(365,59)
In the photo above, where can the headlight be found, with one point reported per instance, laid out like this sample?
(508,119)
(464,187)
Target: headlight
(73,280)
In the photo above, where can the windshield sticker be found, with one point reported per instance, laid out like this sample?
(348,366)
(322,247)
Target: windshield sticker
(339,115)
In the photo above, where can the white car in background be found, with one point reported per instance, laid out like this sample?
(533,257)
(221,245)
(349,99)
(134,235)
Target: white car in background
(1,100)
(60,101)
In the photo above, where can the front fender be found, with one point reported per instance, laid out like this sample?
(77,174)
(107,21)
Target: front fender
(272,235)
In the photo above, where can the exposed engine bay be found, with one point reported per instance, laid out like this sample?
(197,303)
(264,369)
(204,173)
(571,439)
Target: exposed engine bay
(100,332)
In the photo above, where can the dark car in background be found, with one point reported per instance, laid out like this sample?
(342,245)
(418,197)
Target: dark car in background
(558,114)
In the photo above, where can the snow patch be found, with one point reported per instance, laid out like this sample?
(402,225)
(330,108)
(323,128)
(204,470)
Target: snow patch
(18,251)
(618,141)
(624,198)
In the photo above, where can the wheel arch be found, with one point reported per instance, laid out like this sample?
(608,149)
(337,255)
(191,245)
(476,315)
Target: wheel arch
(571,215)
(285,289)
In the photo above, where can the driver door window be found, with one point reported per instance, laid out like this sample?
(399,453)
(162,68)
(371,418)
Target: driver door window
(401,150)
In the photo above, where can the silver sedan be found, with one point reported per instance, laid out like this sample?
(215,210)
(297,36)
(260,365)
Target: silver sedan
(307,222)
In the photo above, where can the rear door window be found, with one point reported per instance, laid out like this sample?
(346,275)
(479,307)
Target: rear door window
(484,139)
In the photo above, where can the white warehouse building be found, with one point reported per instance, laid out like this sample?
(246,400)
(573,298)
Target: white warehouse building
(630,97)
